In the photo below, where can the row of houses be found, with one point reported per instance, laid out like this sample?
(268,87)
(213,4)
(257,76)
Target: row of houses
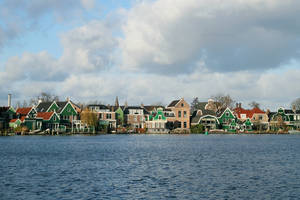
(66,116)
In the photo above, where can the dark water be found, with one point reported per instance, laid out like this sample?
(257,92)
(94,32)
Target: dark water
(150,167)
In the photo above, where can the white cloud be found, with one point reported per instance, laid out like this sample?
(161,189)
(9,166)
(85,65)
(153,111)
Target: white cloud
(89,47)
(173,35)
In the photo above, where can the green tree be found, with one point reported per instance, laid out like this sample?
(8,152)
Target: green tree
(197,128)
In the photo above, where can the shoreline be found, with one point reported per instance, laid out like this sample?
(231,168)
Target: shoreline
(98,134)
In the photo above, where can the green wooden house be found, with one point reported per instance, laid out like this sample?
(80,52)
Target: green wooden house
(6,115)
(65,110)
(119,117)
(227,120)
(50,120)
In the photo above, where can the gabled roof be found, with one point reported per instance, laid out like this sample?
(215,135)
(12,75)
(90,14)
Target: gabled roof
(24,111)
(173,103)
(249,113)
(61,105)
(44,115)
(43,106)
(152,107)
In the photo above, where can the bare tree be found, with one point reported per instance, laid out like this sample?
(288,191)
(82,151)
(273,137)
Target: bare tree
(44,97)
(195,104)
(254,104)
(223,101)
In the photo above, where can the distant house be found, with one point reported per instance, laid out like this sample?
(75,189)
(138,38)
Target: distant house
(14,123)
(50,120)
(284,119)
(7,113)
(253,119)
(157,121)
(206,116)
(181,109)
(65,109)
(227,120)
(134,117)
(106,115)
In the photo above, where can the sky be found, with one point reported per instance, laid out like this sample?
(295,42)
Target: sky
(151,51)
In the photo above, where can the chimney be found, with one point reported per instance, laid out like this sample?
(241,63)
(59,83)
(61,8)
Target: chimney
(9,100)
(68,99)
(237,105)
(240,105)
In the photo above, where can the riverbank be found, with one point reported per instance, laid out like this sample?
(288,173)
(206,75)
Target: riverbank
(130,133)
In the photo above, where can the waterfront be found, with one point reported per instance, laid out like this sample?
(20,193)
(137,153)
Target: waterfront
(150,167)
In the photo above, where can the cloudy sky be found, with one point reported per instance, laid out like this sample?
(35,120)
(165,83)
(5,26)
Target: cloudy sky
(151,50)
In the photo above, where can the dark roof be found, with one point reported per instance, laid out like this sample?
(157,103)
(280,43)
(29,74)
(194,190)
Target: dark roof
(173,103)
(195,116)
(101,106)
(61,105)
(43,106)
(4,109)
(151,108)
(126,110)
(289,112)
(220,112)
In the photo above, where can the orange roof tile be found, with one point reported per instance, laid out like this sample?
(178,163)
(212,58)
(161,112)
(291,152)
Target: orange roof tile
(24,111)
(44,115)
(249,113)
(13,120)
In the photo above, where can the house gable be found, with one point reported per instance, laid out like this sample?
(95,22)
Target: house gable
(68,110)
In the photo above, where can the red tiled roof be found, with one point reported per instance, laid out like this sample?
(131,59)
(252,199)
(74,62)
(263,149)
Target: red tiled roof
(24,111)
(249,113)
(44,115)
(257,111)
(13,120)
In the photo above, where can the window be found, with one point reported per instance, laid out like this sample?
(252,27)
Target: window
(260,117)
(179,124)
(159,117)
(179,113)
(100,116)
(184,113)
(227,114)
(184,124)
(182,105)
